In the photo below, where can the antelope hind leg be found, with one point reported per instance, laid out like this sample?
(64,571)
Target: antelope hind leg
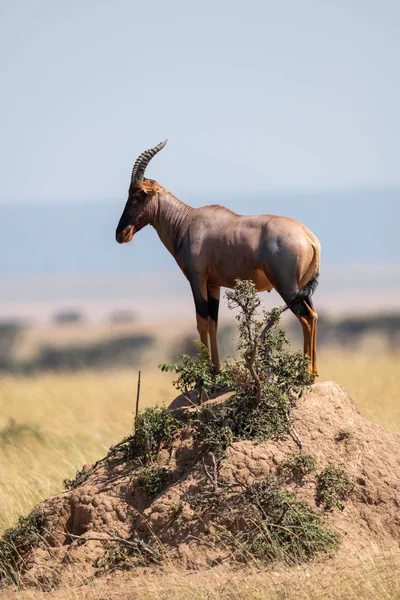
(213,306)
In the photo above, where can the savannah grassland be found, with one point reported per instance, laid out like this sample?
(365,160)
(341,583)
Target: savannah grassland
(52,424)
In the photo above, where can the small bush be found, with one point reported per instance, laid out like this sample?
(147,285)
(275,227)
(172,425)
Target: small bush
(16,542)
(152,479)
(264,364)
(343,435)
(298,537)
(215,427)
(284,528)
(153,426)
(236,419)
(80,477)
(195,372)
(333,487)
(117,556)
(265,521)
(120,556)
(297,467)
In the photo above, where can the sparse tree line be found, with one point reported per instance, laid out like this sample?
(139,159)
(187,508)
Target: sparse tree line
(125,350)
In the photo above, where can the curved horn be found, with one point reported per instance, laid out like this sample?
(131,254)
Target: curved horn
(141,163)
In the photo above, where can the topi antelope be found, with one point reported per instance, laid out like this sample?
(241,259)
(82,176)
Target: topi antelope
(214,246)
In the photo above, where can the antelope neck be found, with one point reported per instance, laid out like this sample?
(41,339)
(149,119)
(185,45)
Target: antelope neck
(169,218)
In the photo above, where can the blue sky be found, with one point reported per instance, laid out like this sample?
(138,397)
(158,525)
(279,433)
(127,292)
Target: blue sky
(253,96)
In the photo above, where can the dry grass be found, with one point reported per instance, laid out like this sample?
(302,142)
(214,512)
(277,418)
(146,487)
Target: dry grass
(368,577)
(372,380)
(69,420)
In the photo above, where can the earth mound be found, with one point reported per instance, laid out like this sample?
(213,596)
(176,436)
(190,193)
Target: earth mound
(174,510)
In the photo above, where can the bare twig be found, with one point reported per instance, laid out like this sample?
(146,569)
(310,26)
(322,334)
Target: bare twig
(248,313)
(243,485)
(212,477)
(250,364)
(137,396)
(293,432)
(215,470)
(296,437)
(190,401)
(269,325)
(250,358)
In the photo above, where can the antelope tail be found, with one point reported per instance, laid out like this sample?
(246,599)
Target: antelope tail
(304,294)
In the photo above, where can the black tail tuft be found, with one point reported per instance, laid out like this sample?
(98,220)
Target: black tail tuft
(303,295)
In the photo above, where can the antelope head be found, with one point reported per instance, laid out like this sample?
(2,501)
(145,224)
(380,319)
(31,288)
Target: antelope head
(141,197)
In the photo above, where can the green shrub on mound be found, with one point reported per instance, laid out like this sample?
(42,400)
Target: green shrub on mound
(333,488)
(153,427)
(266,380)
(278,526)
(16,542)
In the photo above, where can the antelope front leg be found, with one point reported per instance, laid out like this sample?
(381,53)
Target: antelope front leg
(199,290)
(213,306)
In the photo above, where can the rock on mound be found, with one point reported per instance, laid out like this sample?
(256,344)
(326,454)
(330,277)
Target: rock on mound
(109,501)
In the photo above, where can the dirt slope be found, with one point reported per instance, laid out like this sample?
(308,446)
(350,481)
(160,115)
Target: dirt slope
(109,501)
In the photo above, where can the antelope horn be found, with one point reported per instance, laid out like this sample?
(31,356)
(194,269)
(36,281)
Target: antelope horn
(140,165)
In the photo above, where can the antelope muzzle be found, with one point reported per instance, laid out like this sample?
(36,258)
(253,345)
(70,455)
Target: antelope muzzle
(125,235)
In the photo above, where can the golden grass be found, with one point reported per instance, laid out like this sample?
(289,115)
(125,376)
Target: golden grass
(368,577)
(372,380)
(74,418)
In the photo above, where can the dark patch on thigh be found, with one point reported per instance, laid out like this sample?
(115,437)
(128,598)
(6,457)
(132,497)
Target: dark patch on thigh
(200,302)
(213,305)
(300,309)
(201,307)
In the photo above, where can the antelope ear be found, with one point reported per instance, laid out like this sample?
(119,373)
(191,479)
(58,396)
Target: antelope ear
(148,187)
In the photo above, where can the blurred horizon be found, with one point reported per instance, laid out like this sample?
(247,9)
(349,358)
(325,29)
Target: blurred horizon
(64,255)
